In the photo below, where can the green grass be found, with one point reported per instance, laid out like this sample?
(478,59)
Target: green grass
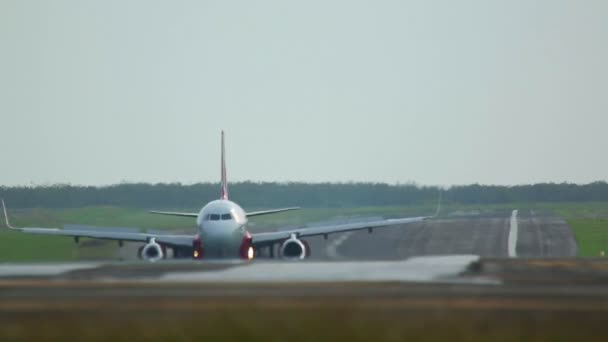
(591,236)
(15,246)
(589,224)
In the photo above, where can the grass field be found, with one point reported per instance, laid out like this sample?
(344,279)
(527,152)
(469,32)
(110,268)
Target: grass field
(589,222)
(300,319)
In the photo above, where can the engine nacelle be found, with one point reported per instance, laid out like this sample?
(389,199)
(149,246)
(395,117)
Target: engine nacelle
(294,248)
(152,251)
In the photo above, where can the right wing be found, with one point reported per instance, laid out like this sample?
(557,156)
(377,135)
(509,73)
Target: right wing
(173,213)
(171,240)
(168,239)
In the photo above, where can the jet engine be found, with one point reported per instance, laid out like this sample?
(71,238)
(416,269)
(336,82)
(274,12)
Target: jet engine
(152,251)
(294,248)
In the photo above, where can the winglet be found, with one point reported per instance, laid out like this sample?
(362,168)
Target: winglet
(8,224)
(224,191)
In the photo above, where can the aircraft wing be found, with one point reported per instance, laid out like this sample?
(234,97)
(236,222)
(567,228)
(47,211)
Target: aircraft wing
(168,239)
(272,211)
(173,213)
(172,240)
(274,237)
(249,214)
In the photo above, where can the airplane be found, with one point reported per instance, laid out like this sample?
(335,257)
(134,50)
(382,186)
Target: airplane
(221,232)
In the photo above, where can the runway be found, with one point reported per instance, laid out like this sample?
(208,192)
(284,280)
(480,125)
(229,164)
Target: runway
(433,250)
(439,269)
(539,235)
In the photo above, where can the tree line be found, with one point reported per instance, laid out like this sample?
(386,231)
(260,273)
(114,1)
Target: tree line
(267,194)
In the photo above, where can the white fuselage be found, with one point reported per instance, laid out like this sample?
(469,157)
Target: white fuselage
(221,227)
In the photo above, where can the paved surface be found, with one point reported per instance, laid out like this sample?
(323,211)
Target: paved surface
(542,235)
(539,235)
(539,300)
(417,269)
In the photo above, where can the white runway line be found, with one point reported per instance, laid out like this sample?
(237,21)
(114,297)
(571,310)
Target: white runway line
(513,235)
(332,248)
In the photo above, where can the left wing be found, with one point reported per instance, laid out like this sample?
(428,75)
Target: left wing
(262,239)
(274,237)
(272,211)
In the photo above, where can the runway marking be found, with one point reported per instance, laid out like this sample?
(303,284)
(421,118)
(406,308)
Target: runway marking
(513,235)
(332,248)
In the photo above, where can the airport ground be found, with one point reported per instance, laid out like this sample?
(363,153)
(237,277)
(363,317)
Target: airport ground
(539,300)
(545,294)
(587,221)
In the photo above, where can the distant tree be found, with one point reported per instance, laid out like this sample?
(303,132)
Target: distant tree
(267,194)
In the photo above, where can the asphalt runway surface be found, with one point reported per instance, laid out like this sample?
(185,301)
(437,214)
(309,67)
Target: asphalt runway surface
(540,235)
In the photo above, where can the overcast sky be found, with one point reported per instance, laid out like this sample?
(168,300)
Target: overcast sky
(432,92)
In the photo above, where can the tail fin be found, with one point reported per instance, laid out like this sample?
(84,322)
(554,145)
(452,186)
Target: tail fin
(224,193)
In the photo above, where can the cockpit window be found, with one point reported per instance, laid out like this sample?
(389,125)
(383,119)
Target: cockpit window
(214,217)
(227,216)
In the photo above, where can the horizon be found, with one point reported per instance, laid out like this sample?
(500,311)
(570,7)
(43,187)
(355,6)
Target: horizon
(218,183)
